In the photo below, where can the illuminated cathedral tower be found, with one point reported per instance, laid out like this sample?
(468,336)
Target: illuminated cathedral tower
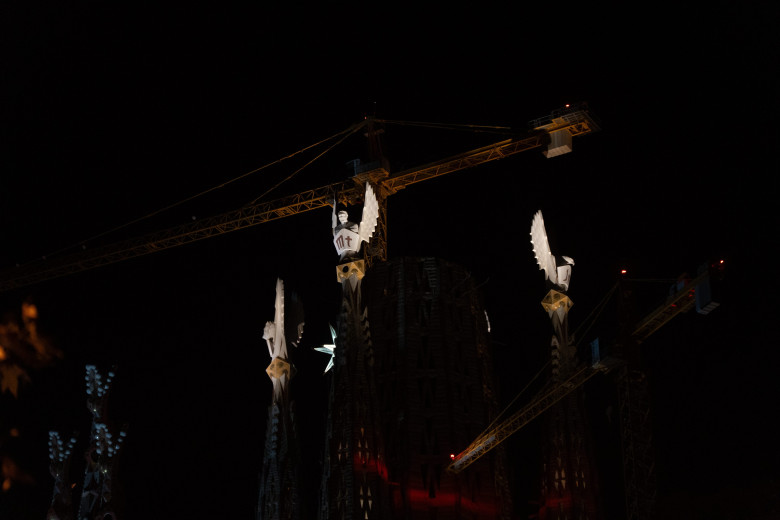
(354,483)
(569,489)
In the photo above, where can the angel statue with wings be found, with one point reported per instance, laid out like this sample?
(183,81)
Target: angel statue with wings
(348,236)
(557,270)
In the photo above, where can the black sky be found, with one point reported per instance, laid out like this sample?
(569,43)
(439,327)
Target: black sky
(109,114)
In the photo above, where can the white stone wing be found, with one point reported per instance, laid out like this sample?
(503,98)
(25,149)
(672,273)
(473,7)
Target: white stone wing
(544,256)
(370,215)
(280,347)
(334,220)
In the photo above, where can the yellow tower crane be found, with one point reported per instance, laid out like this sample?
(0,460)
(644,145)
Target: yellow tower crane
(553,134)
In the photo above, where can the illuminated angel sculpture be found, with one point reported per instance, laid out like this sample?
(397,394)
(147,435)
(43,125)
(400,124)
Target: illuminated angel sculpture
(348,236)
(557,303)
(557,269)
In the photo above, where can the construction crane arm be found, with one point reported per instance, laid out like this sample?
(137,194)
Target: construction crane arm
(682,301)
(244,217)
(460,162)
(576,122)
(492,437)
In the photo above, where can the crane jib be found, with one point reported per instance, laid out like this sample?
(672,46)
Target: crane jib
(576,122)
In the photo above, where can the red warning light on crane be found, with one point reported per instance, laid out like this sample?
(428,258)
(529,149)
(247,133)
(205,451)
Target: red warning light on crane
(452,456)
(623,271)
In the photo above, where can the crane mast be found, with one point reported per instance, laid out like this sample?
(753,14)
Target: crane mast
(571,121)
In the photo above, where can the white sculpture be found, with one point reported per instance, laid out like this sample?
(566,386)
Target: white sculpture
(348,236)
(329,349)
(280,370)
(556,269)
(273,334)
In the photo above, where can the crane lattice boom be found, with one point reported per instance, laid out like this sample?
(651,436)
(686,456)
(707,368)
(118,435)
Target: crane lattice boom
(682,301)
(544,400)
(577,122)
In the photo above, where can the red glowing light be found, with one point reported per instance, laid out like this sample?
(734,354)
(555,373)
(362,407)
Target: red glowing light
(452,456)
(623,271)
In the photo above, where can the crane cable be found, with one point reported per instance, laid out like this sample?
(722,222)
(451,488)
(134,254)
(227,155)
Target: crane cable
(448,126)
(598,310)
(544,367)
(358,126)
(349,131)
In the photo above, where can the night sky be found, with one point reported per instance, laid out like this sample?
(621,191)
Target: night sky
(110,114)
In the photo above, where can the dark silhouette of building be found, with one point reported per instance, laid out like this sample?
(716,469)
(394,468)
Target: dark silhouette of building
(423,387)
